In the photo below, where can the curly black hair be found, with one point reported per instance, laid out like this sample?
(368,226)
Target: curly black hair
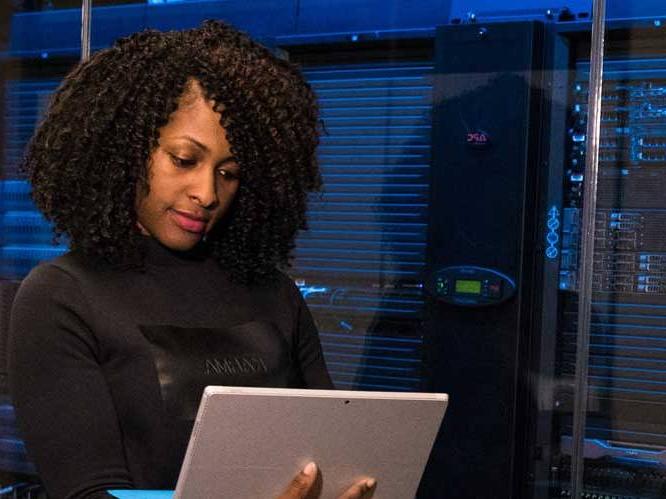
(90,154)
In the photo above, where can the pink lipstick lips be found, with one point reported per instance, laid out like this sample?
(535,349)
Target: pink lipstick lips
(189,222)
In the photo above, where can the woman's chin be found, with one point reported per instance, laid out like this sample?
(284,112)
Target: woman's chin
(181,242)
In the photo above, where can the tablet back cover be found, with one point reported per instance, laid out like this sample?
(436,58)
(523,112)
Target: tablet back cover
(250,442)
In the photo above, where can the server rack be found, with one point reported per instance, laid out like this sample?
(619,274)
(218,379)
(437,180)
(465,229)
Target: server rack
(490,107)
(625,438)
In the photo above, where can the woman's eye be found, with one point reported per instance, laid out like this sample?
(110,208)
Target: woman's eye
(228,174)
(182,162)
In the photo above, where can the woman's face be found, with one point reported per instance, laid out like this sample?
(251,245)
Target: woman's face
(192,176)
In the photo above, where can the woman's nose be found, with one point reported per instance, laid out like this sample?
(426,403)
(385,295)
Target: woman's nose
(203,188)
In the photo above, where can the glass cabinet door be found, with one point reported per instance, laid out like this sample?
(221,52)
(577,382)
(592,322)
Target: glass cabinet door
(622,440)
(605,345)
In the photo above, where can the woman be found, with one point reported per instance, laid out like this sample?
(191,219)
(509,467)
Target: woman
(177,165)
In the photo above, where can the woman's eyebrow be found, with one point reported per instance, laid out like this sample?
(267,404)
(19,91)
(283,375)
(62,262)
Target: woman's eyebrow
(204,147)
(194,141)
(229,159)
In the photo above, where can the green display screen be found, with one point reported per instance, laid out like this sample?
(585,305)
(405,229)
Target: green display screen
(471,287)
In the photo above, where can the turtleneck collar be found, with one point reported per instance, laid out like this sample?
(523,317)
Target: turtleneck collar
(157,254)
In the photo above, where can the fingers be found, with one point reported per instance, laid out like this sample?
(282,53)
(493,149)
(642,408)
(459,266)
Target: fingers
(300,486)
(363,489)
(305,485)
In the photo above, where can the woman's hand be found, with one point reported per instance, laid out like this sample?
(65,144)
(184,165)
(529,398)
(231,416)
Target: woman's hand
(305,485)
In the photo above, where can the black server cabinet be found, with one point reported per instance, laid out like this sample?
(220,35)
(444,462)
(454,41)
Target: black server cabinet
(489,108)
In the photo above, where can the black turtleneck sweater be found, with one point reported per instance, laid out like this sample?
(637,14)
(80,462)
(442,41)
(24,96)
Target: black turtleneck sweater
(107,366)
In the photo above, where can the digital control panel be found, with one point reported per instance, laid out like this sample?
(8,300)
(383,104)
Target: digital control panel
(471,286)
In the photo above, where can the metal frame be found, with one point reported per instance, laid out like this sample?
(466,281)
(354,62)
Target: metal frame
(85,29)
(587,245)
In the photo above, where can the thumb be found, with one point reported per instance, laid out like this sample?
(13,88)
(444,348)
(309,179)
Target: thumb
(300,486)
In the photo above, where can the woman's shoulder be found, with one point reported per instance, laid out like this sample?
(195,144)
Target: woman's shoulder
(64,268)
(49,288)
(277,287)
(283,285)
(69,272)
(278,281)
(46,280)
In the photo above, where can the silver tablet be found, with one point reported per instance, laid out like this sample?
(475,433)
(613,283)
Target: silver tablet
(250,442)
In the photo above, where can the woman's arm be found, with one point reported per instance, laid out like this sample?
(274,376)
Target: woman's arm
(64,408)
